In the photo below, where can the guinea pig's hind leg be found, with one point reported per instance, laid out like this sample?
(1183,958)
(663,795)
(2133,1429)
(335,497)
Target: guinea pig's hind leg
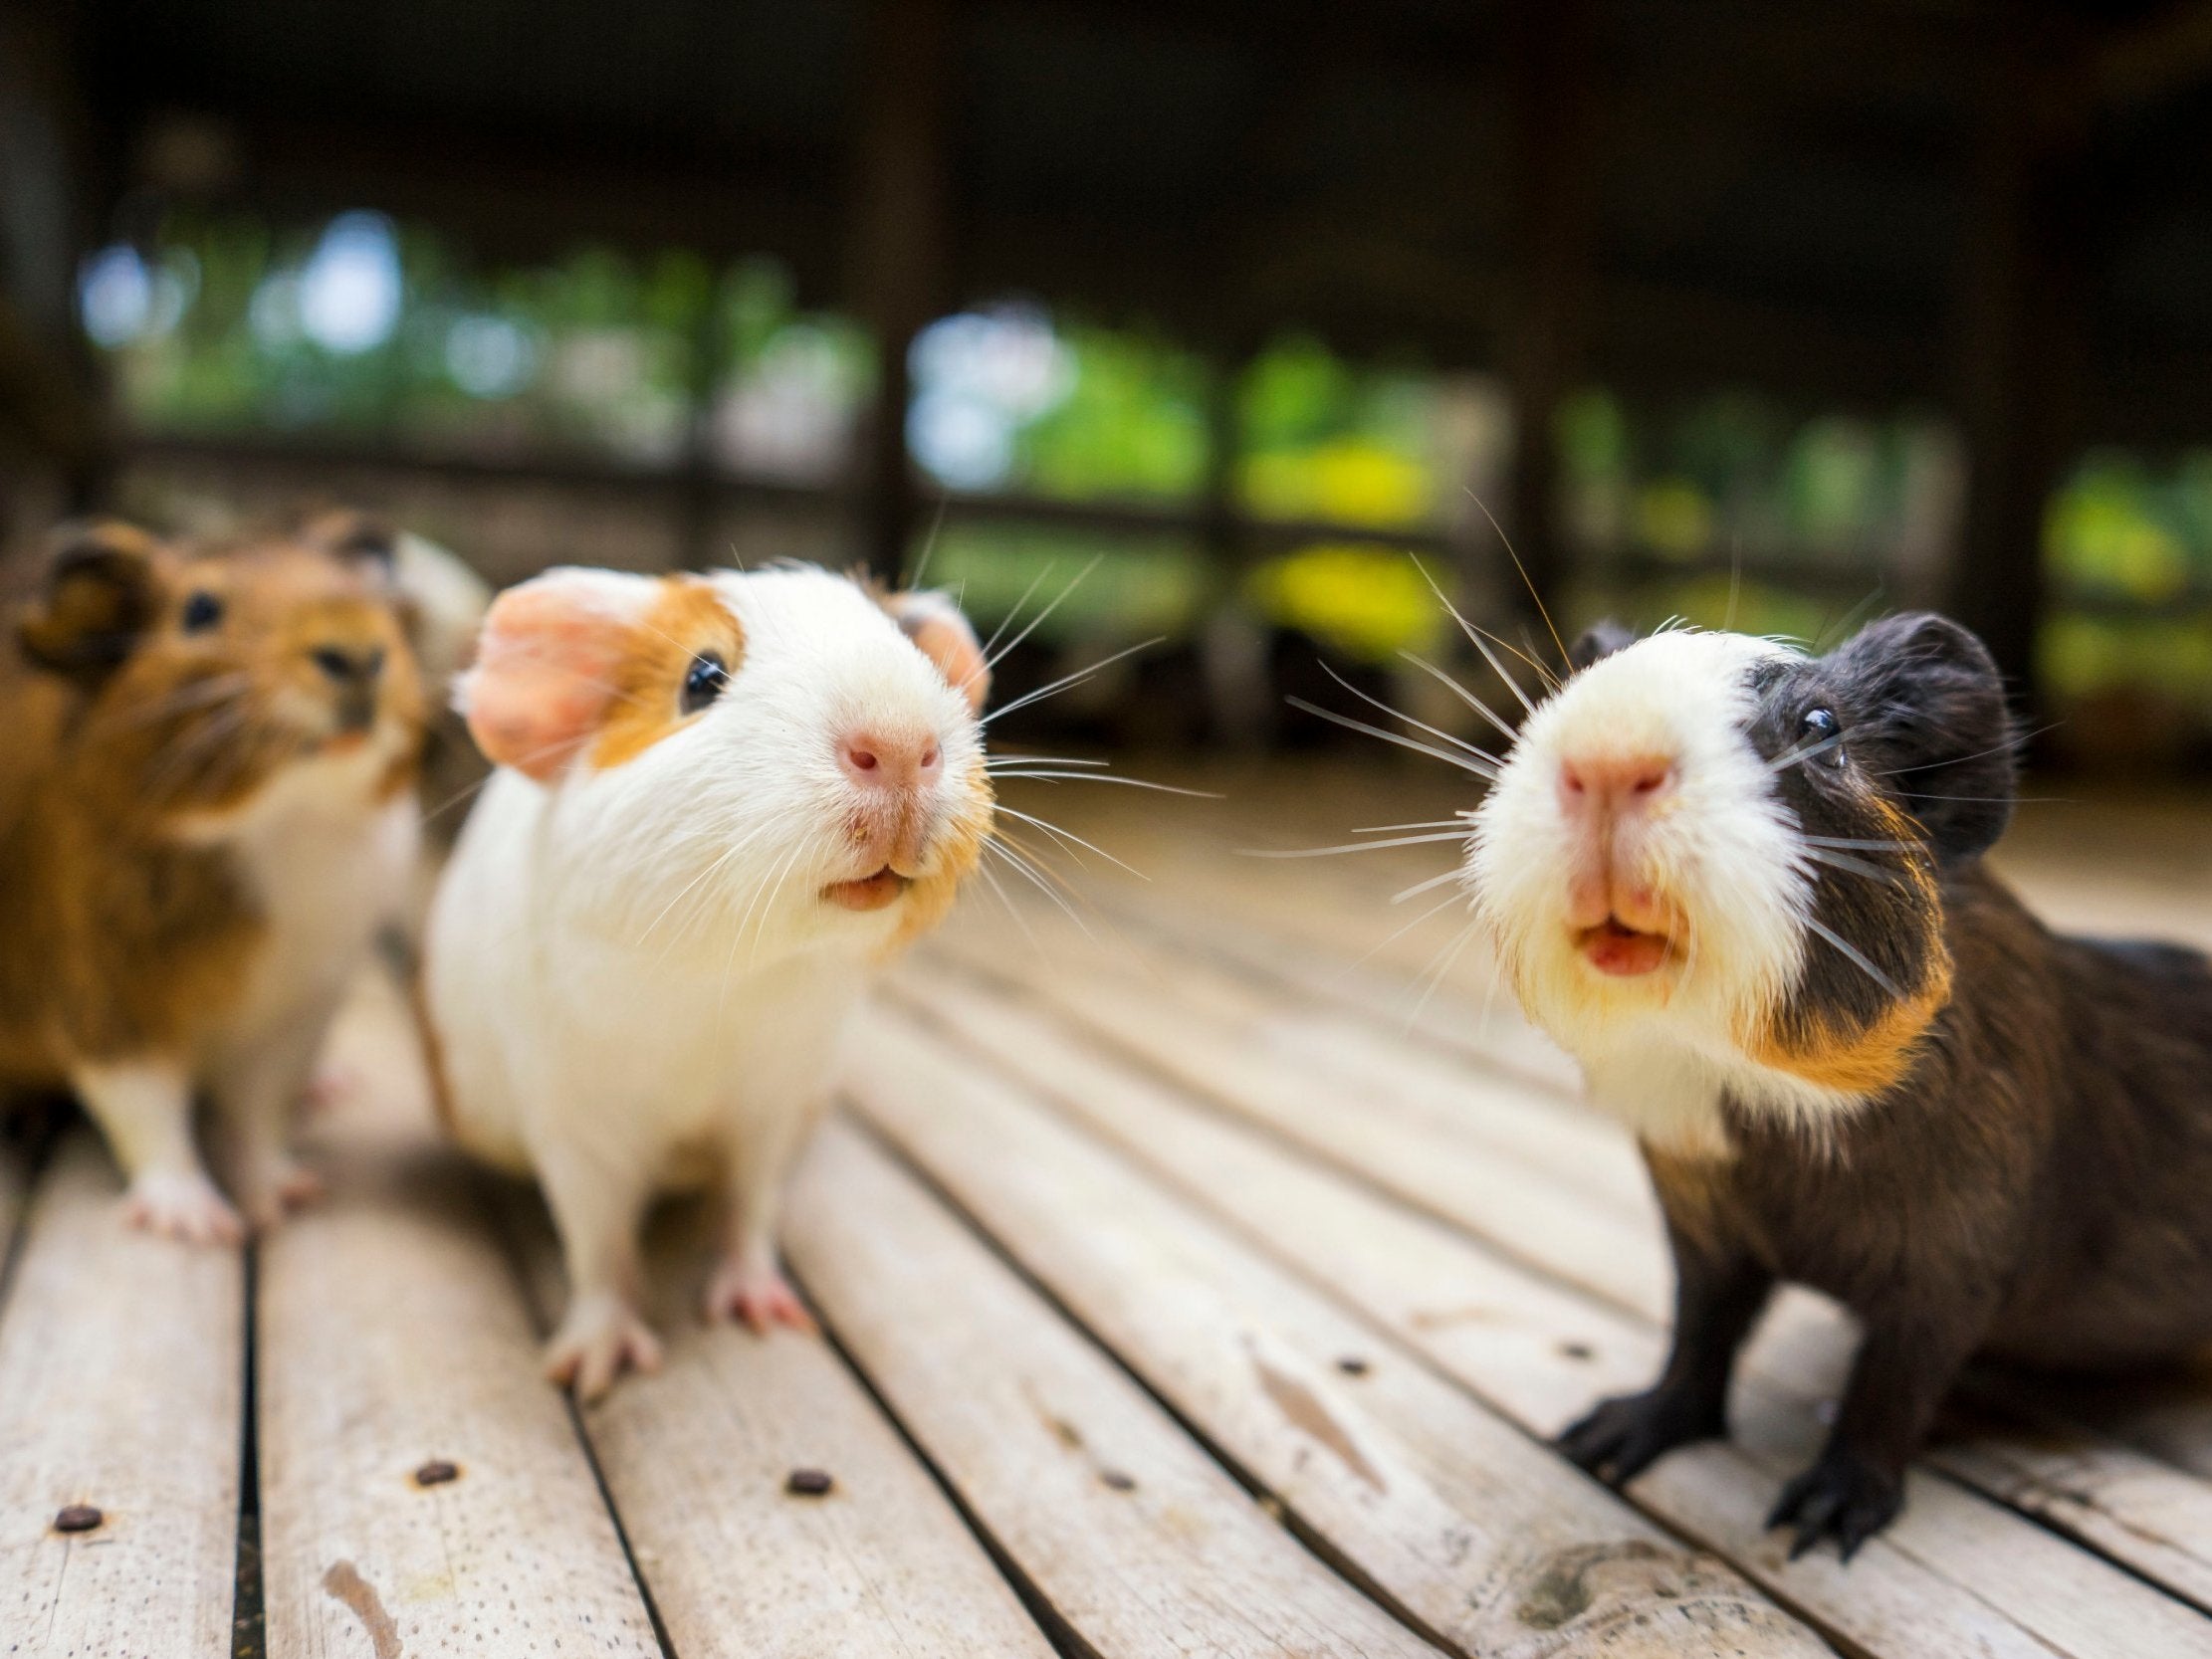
(1906,1363)
(1718,1297)
(596,1210)
(145,1109)
(256,1100)
(748,1285)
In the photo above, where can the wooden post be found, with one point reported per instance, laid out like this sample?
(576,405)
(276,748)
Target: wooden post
(900,253)
(1547,318)
(2020,334)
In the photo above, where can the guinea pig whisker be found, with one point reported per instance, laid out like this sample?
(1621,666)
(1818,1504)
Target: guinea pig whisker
(1440,969)
(1459,820)
(996,763)
(1355,846)
(1804,751)
(1526,580)
(1486,773)
(1071,838)
(1001,845)
(1460,692)
(1444,903)
(1008,620)
(991,878)
(1857,957)
(1429,886)
(1482,754)
(992,662)
(1857,866)
(1125,782)
(2017,741)
(1474,638)
(198,694)
(1069,681)
(1848,845)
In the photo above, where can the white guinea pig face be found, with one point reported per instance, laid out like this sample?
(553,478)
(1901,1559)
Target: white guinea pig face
(785,755)
(1718,842)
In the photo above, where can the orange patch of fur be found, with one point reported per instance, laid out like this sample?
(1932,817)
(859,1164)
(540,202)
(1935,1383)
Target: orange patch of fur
(930,897)
(688,620)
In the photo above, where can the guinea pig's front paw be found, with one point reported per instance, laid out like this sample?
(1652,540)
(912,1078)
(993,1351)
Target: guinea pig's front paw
(1627,1434)
(181,1204)
(1845,1496)
(601,1337)
(757,1295)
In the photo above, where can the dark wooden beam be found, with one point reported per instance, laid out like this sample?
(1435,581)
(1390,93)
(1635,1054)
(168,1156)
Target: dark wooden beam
(2022,330)
(1554,282)
(901,239)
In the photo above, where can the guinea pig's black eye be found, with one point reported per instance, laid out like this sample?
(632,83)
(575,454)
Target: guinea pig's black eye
(202,611)
(704,682)
(1819,728)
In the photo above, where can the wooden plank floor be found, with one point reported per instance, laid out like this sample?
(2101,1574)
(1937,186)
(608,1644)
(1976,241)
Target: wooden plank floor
(1201,1281)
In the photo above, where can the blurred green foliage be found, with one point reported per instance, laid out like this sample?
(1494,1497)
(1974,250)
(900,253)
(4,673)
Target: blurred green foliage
(1327,441)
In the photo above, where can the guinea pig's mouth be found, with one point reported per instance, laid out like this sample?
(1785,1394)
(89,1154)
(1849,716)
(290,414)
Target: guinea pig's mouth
(869,893)
(1615,948)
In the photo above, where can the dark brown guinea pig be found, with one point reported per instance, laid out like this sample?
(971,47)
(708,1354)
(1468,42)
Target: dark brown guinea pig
(208,817)
(1744,887)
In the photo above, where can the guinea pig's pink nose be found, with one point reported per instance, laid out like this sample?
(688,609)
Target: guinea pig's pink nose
(890,761)
(1614,783)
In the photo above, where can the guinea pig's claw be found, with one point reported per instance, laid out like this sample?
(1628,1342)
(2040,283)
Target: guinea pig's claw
(1623,1436)
(272,1194)
(600,1338)
(758,1295)
(1845,1496)
(182,1204)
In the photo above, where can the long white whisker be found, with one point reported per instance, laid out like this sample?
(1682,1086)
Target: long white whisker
(1418,726)
(1355,846)
(1071,837)
(1350,725)
(990,663)
(1460,692)
(1068,681)
(1125,782)
(1429,886)
(1473,636)
(1857,957)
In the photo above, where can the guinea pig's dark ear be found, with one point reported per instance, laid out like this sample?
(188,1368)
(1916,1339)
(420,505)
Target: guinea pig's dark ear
(1927,713)
(934,623)
(1600,639)
(101,592)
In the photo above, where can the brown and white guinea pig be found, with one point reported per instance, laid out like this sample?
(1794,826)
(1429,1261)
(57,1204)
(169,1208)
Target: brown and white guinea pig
(721,800)
(1744,887)
(210,818)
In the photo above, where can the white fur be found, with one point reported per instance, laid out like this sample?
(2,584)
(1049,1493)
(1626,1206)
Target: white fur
(636,979)
(1657,1050)
(326,864)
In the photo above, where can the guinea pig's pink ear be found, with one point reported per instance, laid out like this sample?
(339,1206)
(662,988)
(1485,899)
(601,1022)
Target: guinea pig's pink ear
(934,623)
(548,665)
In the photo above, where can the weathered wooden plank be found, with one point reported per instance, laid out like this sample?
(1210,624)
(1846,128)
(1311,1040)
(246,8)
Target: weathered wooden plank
(2079,1476)
(1488,1541)
(1137,1541)
(392,1338)
(123,1366)
(698,1457)
(1955,1575)
(1537,1199)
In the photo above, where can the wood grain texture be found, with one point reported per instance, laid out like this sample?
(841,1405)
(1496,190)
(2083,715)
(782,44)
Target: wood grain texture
(697,1459)
(393,1335)
(1488,1541)
(1959,1576)
(122,1378)
(1139,1542)
(1565,1206)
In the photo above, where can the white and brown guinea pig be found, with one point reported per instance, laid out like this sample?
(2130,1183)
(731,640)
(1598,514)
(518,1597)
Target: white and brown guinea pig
(1744,887)
(210,815)
(721,800)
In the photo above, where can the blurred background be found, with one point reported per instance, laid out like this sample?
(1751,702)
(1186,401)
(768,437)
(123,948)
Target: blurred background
(1767,314)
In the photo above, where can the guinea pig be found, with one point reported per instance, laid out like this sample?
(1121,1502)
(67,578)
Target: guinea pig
(210,816)
(1744,887)
(720,800)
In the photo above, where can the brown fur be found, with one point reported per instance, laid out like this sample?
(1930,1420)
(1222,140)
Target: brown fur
(687,621)
(120,935)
